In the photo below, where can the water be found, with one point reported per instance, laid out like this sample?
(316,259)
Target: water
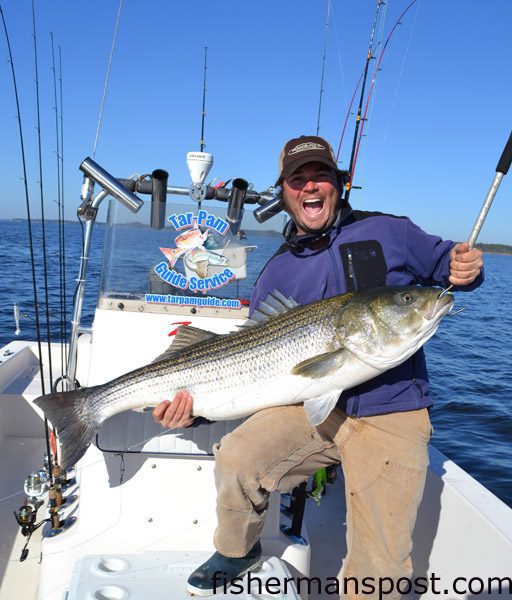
(470,360)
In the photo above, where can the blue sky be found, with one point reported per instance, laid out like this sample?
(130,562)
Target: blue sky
(440,118)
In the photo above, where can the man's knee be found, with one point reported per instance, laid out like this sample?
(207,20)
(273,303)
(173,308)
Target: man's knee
(238,459)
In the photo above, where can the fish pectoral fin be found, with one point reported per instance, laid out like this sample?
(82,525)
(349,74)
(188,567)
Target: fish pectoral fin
(318,409)
(320,365)
(186,336)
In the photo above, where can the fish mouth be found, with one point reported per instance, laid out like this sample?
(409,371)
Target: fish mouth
(442,305)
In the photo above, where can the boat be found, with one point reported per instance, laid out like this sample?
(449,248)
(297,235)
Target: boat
(138,511)
(136,515)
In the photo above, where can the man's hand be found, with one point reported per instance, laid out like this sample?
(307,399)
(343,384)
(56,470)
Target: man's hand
(465,264)
(177,413)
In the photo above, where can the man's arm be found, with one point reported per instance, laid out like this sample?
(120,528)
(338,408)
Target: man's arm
(435,261)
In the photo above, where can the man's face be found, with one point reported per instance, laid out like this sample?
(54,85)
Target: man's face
(311,197)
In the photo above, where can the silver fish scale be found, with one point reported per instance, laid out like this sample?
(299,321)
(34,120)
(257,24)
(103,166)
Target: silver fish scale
(227,362)
(232,376)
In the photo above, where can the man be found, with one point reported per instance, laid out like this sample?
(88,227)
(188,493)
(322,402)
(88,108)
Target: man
(379,430)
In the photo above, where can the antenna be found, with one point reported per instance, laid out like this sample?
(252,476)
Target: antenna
(203,114)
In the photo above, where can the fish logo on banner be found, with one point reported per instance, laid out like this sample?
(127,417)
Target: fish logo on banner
(190,246)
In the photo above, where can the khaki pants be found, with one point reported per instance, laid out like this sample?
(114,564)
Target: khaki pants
(384,461)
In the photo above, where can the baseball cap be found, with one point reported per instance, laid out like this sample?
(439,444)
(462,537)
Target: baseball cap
(302,150)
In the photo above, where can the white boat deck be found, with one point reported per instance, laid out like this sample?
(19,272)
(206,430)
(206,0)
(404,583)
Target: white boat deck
(462,529)
(18,457)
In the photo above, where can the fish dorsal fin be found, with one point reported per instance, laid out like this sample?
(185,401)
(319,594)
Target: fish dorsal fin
(186,336)
(321,365)
(318,409)
(274,305)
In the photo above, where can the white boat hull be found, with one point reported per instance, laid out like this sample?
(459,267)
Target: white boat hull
(157,500)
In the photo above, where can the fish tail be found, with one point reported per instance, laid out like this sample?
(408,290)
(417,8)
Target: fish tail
(75,422)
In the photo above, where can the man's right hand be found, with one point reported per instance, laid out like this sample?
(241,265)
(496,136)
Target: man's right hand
(175,414)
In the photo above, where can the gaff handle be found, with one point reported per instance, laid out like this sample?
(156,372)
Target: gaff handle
(501,170)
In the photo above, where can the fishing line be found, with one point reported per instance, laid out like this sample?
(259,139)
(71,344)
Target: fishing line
(29,221)
(120,452)
(326,41)
(401,73)
(41,187)
(181,430)
(355,155)
(380,36)
(452,314)
(107,80)
(27,199)
(11,496)
(361,97)
(347,116)
(340,61)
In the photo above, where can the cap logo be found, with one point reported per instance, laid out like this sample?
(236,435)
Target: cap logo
(306,146)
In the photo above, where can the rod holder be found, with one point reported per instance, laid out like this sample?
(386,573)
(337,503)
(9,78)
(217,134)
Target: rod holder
(93,171)
(269,209)
(159,179)
(236,204)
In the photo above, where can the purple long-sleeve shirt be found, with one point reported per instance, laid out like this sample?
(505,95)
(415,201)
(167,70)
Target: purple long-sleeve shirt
(365,250)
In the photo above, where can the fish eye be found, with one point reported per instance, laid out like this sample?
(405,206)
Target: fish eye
(408,297)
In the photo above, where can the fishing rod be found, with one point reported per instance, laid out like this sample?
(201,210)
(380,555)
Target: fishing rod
(501,169)
(203,113)
(369,57)
(41,192)
(88,209)
(59,206)
(348,115)
(326,40)
(63,236)
(372,85)
(31,243)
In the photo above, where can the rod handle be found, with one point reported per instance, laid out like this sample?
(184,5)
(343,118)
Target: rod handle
(505,158)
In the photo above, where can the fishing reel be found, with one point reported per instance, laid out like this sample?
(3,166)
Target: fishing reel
(26,519)
(36,485)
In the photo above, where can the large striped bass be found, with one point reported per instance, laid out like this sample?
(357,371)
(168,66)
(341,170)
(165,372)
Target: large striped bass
(287,354)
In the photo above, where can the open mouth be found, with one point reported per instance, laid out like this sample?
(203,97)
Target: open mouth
(313,206)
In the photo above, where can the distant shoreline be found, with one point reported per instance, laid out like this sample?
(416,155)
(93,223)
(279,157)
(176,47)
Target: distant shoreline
(495,248)
(487,248)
